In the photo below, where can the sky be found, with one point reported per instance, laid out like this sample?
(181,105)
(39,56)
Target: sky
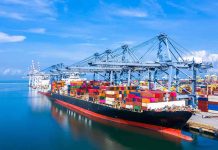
(55,31)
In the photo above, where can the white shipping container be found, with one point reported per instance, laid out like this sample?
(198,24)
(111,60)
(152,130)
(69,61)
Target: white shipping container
(213,98)
(129,106)
(144,104)
(109,102)
(109,99)
(111,92)
(164,104)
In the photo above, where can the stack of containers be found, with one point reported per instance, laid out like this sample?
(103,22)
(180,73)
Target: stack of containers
(213,105)
(93,94)
(102,97)
(215,92)
(84,86)
(95,83)
(118,94)
(53,87)
(80,91)
(68,90)
(203,104)
(159,95)
(149,96)
(137,101)
(105,83)
(173,96)
(198,91)
(111,97)
(74,85)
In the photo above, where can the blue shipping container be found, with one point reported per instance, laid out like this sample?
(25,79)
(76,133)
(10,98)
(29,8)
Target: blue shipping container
(213,107)
(202,98)
(135,93)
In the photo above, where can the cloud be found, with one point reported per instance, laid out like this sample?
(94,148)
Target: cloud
(29,8)
(4,38)
(120,43)
(37,30)
(202,56)
(130,13)
(180,7)
(153,7)
(23,2)
(12,71)
(12,15)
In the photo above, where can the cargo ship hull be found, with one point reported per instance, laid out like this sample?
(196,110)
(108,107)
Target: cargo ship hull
(163,122)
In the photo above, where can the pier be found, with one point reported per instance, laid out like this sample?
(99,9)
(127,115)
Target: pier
(204,122)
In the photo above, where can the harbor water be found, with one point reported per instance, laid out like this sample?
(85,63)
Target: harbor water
(29,120)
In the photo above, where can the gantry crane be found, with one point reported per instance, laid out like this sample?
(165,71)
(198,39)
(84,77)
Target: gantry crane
(152,60)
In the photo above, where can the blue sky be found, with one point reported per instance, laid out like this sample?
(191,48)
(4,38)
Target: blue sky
(53,31)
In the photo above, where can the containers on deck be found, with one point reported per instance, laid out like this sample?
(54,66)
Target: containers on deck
(128,97)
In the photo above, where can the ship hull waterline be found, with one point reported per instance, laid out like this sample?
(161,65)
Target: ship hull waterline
(88,113)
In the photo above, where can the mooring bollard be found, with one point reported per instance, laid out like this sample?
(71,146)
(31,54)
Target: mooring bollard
(216,133)
(200,130)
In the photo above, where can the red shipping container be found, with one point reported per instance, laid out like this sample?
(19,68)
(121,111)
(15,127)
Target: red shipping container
(144,108)
(129,99)
(138,103)
(138,99)
(129,103)
(93,90)
(131,96)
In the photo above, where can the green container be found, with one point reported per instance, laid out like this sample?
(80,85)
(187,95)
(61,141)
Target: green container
(102,97)
(137,107)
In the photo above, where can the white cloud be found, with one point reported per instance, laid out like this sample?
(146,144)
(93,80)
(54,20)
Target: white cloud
(4,38)
(29,8)
(11,71)
(153,7)
(37,30)
(23,2)
(120,43)
(130,13)
(202,56)
(12,15)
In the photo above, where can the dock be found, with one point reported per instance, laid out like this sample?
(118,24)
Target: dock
(204,122)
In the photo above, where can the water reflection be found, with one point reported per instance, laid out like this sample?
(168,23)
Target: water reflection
(103,134)
(111,136)
(38,102)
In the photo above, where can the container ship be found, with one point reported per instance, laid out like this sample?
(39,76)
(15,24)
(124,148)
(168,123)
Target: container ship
(129,105)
